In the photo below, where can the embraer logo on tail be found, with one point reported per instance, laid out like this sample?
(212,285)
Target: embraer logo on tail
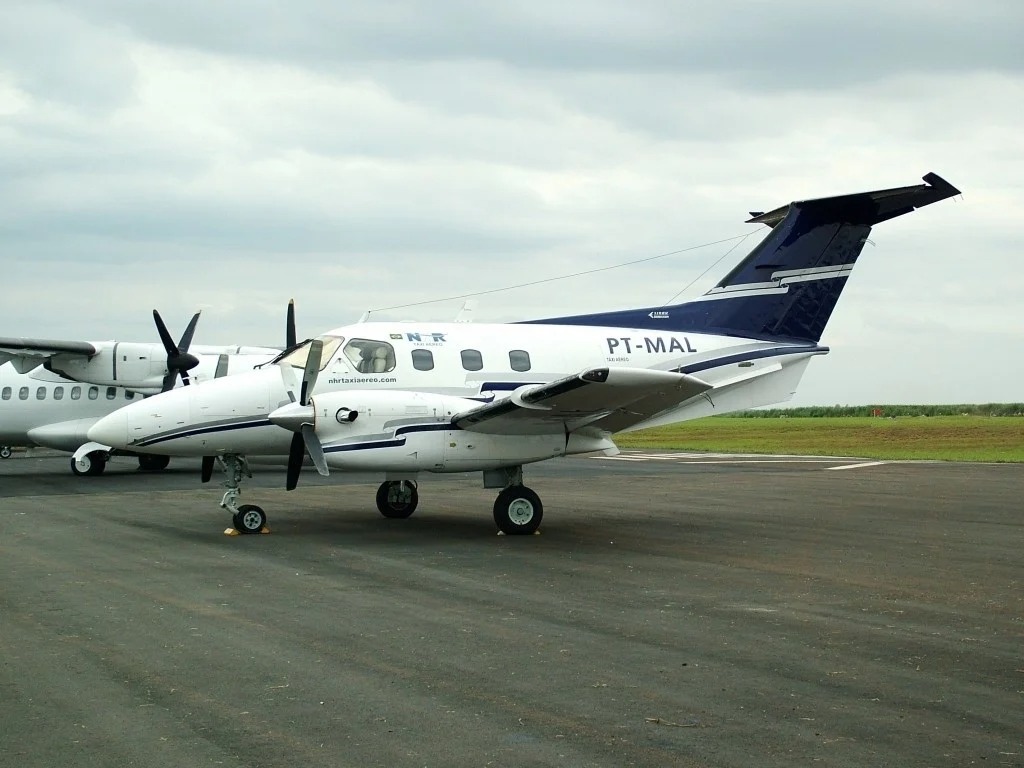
(649,345)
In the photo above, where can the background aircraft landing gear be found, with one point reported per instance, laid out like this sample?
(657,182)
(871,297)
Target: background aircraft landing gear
(152,463)
(518,511)
(5,451)
(90,465)
(397,498)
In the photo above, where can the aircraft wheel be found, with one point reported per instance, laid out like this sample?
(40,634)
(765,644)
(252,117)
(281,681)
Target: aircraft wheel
(151,463)
(90,465)
(397,498)
(249,519)
(518,511)
(5,452)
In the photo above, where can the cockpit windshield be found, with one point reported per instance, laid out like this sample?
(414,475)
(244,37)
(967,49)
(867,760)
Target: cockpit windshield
(298,356)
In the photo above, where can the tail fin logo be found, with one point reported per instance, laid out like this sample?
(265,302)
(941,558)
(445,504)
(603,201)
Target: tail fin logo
(658,315)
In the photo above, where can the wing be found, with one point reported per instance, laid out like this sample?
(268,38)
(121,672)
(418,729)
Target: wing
(609,399)
(26,354)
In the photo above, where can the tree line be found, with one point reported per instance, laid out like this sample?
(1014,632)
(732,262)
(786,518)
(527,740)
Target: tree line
(887,411)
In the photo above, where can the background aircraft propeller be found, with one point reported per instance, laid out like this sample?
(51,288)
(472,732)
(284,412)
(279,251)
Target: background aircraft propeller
(179,361)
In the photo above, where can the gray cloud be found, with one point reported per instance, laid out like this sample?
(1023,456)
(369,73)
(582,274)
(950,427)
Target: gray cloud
(357,156)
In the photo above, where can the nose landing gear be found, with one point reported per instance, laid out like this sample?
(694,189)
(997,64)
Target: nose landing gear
(247,518)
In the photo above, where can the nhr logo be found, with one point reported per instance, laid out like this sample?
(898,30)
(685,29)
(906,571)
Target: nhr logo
(431,338)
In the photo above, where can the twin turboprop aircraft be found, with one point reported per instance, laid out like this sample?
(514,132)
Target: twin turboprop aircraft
(51,392)
(405,398)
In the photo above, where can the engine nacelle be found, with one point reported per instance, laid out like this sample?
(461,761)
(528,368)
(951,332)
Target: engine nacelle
(412,431)
(136,366)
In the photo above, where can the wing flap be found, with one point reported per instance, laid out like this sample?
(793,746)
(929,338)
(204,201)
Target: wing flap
(610,399)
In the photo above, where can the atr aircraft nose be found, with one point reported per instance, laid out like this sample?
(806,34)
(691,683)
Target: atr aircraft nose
(111,430)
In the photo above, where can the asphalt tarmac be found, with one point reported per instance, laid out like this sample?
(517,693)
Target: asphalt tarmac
(673,611)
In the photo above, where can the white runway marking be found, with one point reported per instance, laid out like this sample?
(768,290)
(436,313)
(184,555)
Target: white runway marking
(743,458)
(863,464)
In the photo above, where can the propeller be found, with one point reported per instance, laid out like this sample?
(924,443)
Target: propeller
(299,417)
(289,326)
(179,361)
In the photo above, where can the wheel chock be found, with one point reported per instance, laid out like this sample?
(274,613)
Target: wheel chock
(236,532)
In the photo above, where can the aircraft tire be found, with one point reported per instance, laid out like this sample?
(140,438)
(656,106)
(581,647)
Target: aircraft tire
(397,499)
(5,451)
(249,519)
(518,511)
(90,465)
(153,463)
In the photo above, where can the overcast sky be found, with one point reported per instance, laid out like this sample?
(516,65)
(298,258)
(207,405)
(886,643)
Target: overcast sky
(229,156)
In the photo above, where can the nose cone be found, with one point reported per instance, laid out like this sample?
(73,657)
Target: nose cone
(111,430)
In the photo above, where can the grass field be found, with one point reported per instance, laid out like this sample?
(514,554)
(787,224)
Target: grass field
(950,438)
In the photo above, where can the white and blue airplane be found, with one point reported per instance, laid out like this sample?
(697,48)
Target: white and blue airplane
(406,398)
(52,392)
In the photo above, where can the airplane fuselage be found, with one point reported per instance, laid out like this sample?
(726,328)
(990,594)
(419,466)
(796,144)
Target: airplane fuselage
(449,368)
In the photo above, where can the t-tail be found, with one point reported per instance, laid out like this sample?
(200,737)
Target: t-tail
(786,288)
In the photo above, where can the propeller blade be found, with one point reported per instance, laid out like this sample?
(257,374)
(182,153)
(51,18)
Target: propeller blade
(165,337)
(207,470)
(186,337)
(185,380)
(314,448)
(169,379)
(316,349)
(289,326)
(296,453)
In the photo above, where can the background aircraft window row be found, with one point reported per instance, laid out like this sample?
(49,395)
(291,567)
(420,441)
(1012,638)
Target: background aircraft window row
(472,360)
(58,393)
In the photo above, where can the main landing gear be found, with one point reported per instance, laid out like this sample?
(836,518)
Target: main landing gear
(247,518)
(5,451)
(517,510)
(152,463)
(397,498)
(90,465)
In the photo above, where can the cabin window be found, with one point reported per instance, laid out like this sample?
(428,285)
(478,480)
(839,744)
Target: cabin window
(519,359)
(423,360)
(94,392)
(40,393)
(76,393)
(128,395)
(23,393)
(58,393)
(111,393)
(472,360)
(368,356)
(7,393)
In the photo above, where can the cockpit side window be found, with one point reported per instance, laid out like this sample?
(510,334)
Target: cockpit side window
(298,356)
(369,356)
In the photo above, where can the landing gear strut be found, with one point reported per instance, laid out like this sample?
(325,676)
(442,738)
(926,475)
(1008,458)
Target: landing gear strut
(91,465)
(518,509)
(397,498)
(247,518)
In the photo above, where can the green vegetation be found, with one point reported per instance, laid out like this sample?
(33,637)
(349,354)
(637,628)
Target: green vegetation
(963,409)
(950,438)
